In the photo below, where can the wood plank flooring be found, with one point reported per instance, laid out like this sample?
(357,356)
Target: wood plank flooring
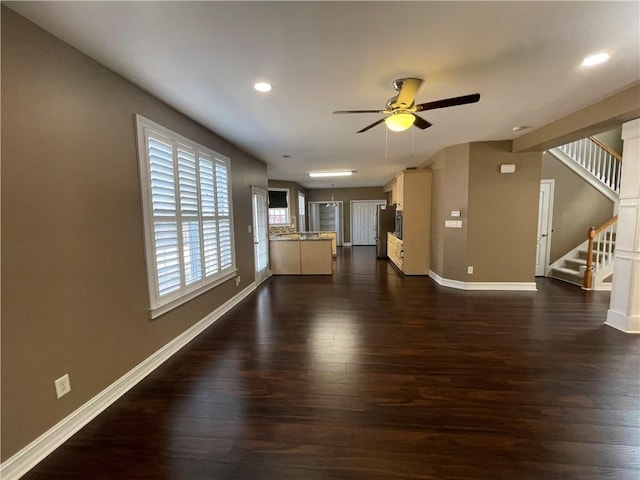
(371,375)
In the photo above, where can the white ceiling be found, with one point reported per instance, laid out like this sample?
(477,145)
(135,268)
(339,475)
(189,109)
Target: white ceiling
(203,58)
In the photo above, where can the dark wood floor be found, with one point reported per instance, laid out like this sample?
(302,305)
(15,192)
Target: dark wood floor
(370,375)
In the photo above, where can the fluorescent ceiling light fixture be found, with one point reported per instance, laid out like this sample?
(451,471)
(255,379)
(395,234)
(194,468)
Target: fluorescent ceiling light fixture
(595,59)
(399,122)
(331,174)
(263,87)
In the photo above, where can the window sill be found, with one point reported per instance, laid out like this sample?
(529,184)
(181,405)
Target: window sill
(164,308)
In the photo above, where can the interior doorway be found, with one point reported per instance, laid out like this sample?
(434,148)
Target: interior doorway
(545,213)
(326,217)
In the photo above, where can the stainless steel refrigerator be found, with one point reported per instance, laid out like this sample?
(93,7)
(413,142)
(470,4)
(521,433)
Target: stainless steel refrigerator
(386,222)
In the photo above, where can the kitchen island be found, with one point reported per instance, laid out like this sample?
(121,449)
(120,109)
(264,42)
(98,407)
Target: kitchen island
(331,235)
(301,254)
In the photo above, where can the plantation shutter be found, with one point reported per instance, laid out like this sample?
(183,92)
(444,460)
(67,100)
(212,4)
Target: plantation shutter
(188,216)
(165,222)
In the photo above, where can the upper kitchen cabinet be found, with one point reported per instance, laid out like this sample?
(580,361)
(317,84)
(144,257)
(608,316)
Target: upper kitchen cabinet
(399,191)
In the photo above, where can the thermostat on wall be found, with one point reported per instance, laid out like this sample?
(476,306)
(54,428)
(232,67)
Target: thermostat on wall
(508,168)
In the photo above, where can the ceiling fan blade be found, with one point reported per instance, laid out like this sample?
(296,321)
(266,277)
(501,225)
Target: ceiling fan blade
(377,122)
(359,111)
(421,123)
(448,102)
(407,93)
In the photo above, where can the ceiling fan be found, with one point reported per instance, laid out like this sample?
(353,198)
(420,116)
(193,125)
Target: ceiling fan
(401,108)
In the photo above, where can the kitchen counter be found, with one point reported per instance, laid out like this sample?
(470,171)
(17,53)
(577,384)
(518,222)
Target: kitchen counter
(295,237)
(300,254)
(305,236)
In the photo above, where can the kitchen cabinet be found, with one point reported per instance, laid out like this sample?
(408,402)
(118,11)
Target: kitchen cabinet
(285,257)
(399,189)
(395,250)
(414,201)
(316,258)
(394,195)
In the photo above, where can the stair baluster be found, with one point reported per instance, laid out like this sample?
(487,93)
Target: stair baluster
(601,240)
(598,159)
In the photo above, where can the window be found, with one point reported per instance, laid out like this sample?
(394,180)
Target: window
(279,206)
(188,222)
(301,212)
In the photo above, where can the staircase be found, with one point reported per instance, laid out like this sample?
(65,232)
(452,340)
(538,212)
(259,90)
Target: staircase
(590,264)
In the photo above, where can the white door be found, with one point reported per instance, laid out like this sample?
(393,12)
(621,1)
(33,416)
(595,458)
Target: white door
(260,234)
(364,222)
(544,227)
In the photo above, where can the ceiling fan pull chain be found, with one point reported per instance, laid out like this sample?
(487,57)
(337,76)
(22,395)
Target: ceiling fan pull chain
(412,142)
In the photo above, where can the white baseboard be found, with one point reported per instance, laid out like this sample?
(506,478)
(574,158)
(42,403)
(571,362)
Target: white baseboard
(24,460)
(508,286)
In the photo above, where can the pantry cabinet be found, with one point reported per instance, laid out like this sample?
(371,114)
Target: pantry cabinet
(410,254)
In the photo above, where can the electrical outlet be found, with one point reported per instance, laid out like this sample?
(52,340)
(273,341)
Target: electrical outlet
(63,385)
(470,270)
(237,280)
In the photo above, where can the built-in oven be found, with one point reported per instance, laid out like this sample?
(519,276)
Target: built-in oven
(398,227)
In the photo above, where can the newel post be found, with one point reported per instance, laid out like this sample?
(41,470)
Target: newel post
(624,307)
(588,273)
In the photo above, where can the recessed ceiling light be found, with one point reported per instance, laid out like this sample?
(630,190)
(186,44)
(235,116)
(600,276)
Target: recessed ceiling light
(263,87)
(331,174)
(519,127)
(595,59)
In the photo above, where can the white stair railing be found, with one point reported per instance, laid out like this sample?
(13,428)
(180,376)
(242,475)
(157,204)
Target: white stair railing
(598,159)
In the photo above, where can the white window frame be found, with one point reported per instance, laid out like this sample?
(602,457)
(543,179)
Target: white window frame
(302,216)
(159,304)
(288,209)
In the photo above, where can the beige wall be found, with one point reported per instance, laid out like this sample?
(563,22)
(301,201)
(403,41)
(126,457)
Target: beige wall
(74,289)
(612,138)
(503,213)
(346,195)
(498,213)
(437,165)
(576,207)
(449,190)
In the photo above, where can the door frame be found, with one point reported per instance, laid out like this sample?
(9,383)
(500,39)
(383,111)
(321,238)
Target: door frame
(340,207)
(376,202)
(551,182)
(262,275)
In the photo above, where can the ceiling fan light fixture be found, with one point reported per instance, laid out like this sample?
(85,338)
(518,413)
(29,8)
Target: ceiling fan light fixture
(399,122)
